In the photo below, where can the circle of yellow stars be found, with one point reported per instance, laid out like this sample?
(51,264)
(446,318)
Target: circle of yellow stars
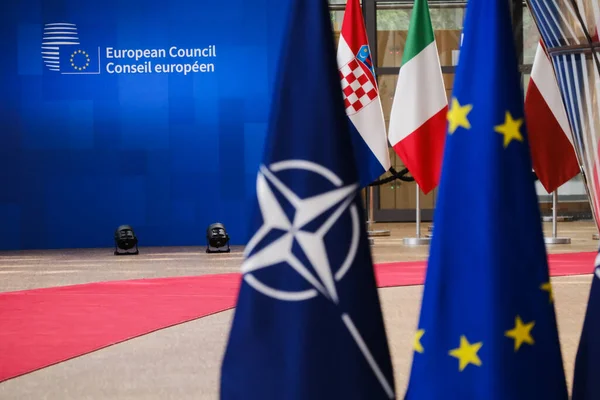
(87,60)
(458,117)
(417,341)
(547,287)
(467,352)
(511,129)
(521,333)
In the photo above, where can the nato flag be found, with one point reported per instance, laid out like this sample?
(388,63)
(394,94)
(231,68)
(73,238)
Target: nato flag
(586,385)
(308,322)
(487,327)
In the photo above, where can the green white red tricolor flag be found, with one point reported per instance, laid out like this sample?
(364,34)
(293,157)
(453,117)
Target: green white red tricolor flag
(417,128)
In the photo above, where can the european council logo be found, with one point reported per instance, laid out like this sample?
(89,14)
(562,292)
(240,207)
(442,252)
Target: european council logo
(62,51)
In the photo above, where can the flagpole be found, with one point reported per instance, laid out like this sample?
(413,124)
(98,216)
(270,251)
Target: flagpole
(369,201)
(418,240)
(370,221)
(555,239)
(370,218)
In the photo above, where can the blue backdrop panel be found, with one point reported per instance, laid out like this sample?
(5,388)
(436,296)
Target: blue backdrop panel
(141,112)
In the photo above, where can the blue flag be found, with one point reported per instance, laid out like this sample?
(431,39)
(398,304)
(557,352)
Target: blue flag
(75,60)
(487,327)
(586,385)
(308,323)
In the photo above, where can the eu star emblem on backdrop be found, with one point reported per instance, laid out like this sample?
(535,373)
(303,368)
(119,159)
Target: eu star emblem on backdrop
(361,97)
(79,60)
(64,52)
(308,322)
(487,327)
(587,363)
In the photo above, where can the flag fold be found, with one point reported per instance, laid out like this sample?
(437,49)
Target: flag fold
(308,322)
(487,327)
(550,137)
(418,117)
(587,362)
(361,97)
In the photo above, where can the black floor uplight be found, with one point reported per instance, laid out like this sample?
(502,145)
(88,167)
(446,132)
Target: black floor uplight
(125,241)
(217,239)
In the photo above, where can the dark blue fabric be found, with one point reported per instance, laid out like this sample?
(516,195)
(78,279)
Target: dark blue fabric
(369,167)
(303,349)
(586,385)
(487,260)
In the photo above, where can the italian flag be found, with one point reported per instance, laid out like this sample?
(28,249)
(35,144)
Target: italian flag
(418,119)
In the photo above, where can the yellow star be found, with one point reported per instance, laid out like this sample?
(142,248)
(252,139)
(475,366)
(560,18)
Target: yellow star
(466,353)
(547,287)
(457,116)
(521,333)
(511,129)
(418,347)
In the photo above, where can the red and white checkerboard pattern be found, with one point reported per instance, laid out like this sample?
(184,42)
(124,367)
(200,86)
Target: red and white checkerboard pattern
(356,86)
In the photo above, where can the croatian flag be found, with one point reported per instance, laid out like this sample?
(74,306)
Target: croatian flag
(361,97)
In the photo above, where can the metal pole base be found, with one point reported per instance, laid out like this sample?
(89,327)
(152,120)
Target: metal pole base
(563,218)
(419,241)
(378,233)
(596,236)
(557,240)
(554,239)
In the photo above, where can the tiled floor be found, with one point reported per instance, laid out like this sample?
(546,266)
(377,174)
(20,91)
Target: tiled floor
(183,362)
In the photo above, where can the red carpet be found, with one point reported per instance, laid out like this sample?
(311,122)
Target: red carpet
(42,327)
(413,272)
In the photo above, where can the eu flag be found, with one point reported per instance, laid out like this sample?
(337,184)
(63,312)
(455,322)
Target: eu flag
(587,363)
(487,327)
(308,323)
(76,60)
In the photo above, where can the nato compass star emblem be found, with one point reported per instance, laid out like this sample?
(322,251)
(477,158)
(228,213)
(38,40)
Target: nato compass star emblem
(319,276)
